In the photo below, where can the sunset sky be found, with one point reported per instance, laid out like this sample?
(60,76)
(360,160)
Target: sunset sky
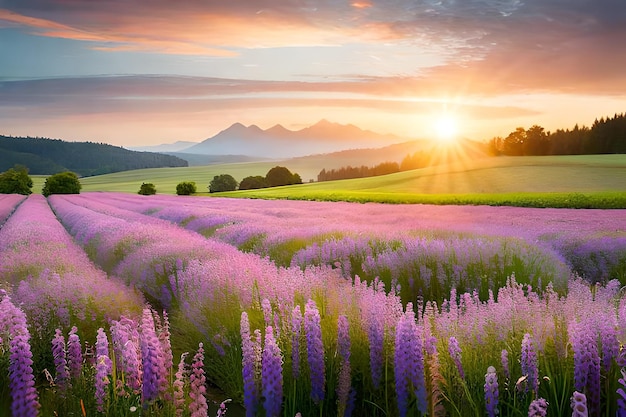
(135,73)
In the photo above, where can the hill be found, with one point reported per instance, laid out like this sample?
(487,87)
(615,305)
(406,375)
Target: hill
(278,142)
(49,156)
(535,181)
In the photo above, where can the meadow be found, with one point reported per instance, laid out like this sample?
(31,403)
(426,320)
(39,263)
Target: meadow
(581,181)
(120,304)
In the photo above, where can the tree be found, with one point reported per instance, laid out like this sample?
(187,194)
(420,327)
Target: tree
(536,142)
(281,176)
(253,183)
(224,182)
(147,189)
(61,183)
(16,181)
(186,188)
(514,143)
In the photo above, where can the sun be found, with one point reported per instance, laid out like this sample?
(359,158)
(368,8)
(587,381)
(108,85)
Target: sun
(446,127)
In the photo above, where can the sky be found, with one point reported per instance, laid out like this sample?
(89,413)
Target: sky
(136,73)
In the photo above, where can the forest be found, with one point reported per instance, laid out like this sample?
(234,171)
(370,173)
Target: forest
(48,156)
(605,136)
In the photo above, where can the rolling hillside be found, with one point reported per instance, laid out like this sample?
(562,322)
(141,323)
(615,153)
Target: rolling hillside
(49,156)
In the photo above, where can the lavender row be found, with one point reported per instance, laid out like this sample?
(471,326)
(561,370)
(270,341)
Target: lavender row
(8,203)
(53,277)
(591,242)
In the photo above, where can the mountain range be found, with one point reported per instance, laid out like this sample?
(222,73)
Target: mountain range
(279,142)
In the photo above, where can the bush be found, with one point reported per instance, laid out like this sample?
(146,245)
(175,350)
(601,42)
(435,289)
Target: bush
(147,189)
(253,183)
(16,181)
(186,188)
(224,182)
(62,183)
(281,176)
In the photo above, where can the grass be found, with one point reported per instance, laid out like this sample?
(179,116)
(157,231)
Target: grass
(577,181)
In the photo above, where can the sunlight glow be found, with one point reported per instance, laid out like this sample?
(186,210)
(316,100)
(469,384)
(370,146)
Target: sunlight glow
(446,127)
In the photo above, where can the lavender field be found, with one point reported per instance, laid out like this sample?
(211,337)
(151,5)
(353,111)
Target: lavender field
(120,304)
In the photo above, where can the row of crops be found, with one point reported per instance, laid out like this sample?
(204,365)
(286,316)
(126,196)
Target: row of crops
(124,305)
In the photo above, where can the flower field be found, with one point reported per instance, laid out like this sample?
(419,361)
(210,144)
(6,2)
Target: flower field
(120,304)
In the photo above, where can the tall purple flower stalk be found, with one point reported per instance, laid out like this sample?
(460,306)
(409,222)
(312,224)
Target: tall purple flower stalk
(272,375)
(166,349)
(152,359)
(376,337)
(455,353)
(538,408)
(296,330)
(409,363)
(197,390)
(491,392)
(583,337)
(103,368)
(579,405)
(315,350)
(74,353)
(345,383)
(529,363)
(504,358)
(179,385)
(126,343)
(21,379)
(249,360)
(62,377)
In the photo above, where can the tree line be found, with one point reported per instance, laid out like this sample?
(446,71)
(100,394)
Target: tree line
(348,172)
(275,177)
(605,136)
(48,156)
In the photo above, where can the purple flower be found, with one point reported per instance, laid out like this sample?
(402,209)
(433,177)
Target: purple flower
(583,336)
(579,405)
(296,329)
(504,358)
(102,380)
(538,408)
(249,364)
(409,363)
(315,350)
(60,361)
(126,344)
(103,368)
(152,359)
(272,375)
(455,353)
(21,379)
(344,383)
(491,392)
(530,363)
(376,336)
(179,385)
(197,389)
(74,353)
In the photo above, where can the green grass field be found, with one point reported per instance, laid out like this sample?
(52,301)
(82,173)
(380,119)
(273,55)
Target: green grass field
(544,181)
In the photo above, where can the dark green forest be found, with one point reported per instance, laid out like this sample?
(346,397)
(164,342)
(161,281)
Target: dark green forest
(48,156)
(605,136)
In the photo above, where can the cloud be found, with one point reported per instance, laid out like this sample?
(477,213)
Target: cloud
(182,95)
(486,46)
